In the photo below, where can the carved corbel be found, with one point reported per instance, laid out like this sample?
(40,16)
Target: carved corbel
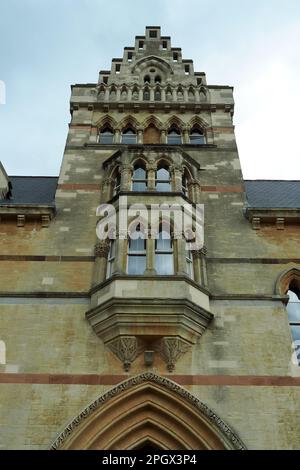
(127,349)
(171,348)
(102,248)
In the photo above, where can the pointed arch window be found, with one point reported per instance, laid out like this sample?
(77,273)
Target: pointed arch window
(197,136)
(147,79)
(111,259)
(174,136)
(163,178)
(129,136)
(146,94)
(139,178)
(136,255)
(157,94)
(164,253)
(293,309)
(106,136)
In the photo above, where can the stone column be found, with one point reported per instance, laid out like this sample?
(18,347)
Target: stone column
(151,172)
(117,136)
(200,272)
(197,266)
(197,95)
(140,132)
(141,94)
(185,95)
(118,94)
(121,255)
(151,94)
(126,177)
(194,190)
(150,261)
(174,94)
(129,94)
(101,253)
(186,136)
(181,253)
(177,177)
(163,136)
(163,94)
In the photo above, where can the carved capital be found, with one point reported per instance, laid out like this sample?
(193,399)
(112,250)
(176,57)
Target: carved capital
(127,349)
(171,348)
(102,248)
(200,253)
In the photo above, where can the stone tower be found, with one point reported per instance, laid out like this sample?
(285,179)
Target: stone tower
(153,329)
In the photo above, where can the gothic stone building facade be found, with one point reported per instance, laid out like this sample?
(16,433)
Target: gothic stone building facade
(132,342)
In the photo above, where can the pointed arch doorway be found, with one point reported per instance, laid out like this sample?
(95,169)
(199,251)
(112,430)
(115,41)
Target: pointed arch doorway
(147,411)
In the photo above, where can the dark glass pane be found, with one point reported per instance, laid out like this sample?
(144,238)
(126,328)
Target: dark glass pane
(296,333)
(139,186)
(136,264)
(164,264)
(106,138)
(137,245)
(163,187)
(163,174)
(197,139)
(293,310)
(164,242)
(129,138)
(174,139)
(139,173)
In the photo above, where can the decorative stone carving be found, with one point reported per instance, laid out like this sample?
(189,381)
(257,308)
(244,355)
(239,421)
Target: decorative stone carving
(126,348)
(169,386)
(102,248)
(171,348)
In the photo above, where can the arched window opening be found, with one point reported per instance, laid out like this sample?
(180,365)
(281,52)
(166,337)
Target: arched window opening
(202,95)
(106,136)
(136,256)
(139,178)
(129,136)
(146,94)
(174,136)
(112,94)
(123,93)
(135,94)
(147,79)
(197,136)
(191,94)
(180,94)
(189,263)
(185,183)
(163,179)
(157,94)
(293,310)
(116,182)
(157,79)
(111,259)
(164,253)
(169,95)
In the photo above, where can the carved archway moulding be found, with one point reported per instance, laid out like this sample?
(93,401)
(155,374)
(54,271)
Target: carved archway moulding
(288,277)
(147,408)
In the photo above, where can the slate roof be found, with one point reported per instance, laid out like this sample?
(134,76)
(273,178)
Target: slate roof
(273,193)
(260,193)
(32,190)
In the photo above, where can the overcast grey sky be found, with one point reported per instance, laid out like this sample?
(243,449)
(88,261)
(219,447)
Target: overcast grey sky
(46,45)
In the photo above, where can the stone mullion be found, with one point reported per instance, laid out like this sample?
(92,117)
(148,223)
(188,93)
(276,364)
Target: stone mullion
(100,265)
(126,177)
